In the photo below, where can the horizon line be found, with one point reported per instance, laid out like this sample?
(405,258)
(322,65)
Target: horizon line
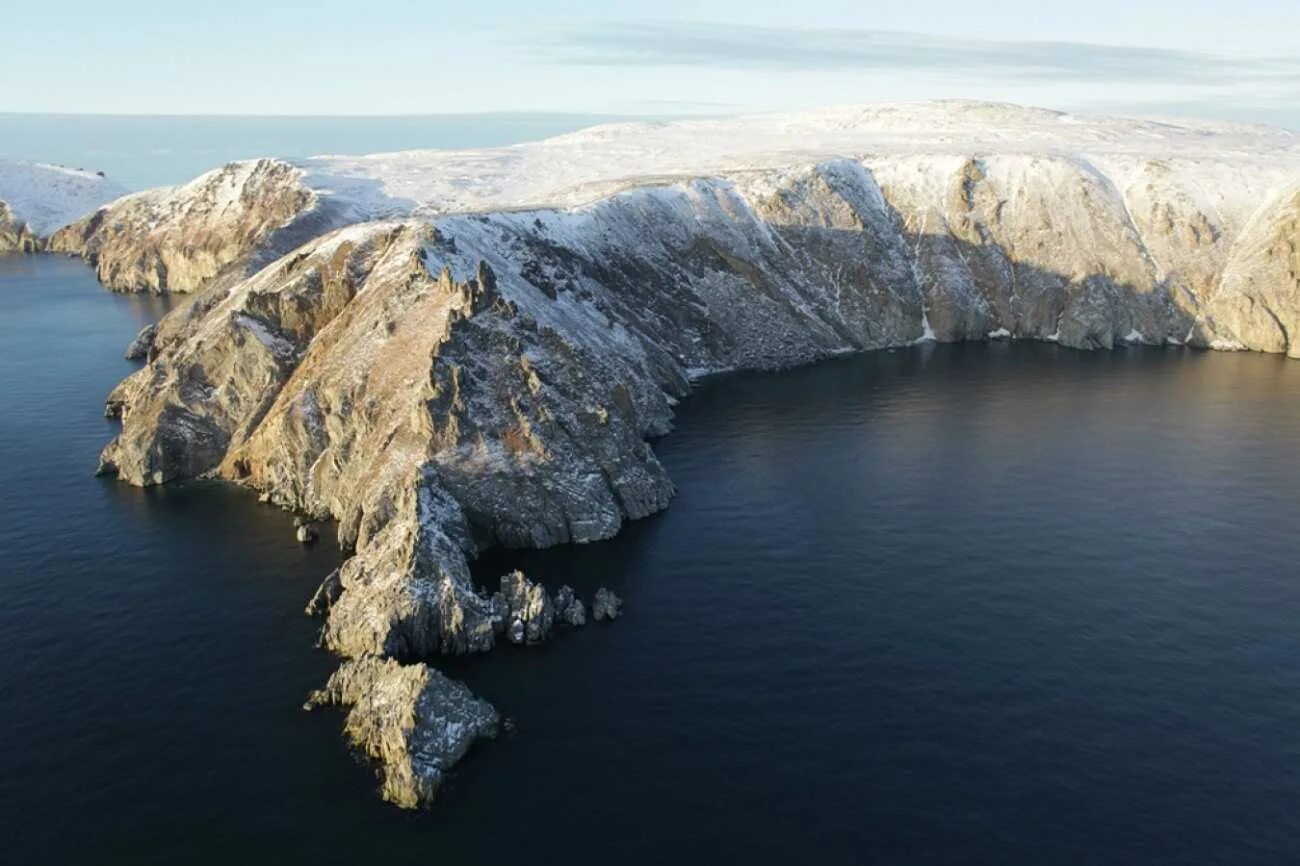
(386,115)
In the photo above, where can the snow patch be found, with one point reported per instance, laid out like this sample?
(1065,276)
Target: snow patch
(276,343)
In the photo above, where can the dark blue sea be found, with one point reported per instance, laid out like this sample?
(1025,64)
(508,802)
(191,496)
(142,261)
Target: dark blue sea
(977,604)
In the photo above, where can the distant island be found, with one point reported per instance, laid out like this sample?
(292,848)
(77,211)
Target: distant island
(443,351)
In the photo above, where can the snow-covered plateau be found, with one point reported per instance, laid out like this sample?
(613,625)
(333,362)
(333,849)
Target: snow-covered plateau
(446,350)
(36,199)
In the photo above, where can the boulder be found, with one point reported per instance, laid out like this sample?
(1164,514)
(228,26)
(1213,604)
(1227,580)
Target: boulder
(569,607)
(606,605)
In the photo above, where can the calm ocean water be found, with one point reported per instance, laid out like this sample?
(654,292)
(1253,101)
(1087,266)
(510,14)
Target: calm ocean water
(958,604)
(143,152)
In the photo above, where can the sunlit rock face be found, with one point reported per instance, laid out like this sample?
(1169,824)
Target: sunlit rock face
(443,382)
(15,236)
(1257,302)
(411,720)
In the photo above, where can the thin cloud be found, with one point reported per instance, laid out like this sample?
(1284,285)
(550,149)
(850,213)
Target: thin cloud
(812,50)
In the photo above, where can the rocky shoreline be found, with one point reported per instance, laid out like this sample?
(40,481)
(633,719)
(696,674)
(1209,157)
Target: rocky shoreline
(440,382)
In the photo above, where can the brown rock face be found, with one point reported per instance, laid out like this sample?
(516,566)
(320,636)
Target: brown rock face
(15,236)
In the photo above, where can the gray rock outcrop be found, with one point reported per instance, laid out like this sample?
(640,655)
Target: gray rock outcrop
(529,612)
(606,605)
(411,720)
(569,608)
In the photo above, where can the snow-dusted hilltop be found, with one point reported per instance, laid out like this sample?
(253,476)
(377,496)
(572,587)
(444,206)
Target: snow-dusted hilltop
(1171,197)
(37,199)
(484,364)
(582,167)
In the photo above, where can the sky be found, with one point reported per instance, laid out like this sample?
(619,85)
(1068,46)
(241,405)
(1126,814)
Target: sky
(1237,60)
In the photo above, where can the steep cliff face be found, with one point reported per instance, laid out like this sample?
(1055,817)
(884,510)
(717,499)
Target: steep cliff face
(1257,302)
(36,199)
(441,383)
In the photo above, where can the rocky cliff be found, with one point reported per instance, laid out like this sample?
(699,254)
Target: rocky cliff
(449,380)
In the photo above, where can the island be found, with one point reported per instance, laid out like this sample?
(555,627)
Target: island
(443,351)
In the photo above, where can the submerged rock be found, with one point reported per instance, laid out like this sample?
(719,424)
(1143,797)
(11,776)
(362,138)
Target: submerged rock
(306,533)
(606,605)
(411,720)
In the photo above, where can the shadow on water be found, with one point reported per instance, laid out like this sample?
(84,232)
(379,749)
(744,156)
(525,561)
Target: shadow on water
(971,603)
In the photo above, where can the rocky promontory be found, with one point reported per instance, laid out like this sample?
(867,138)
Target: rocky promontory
(411,720)
(446,351)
